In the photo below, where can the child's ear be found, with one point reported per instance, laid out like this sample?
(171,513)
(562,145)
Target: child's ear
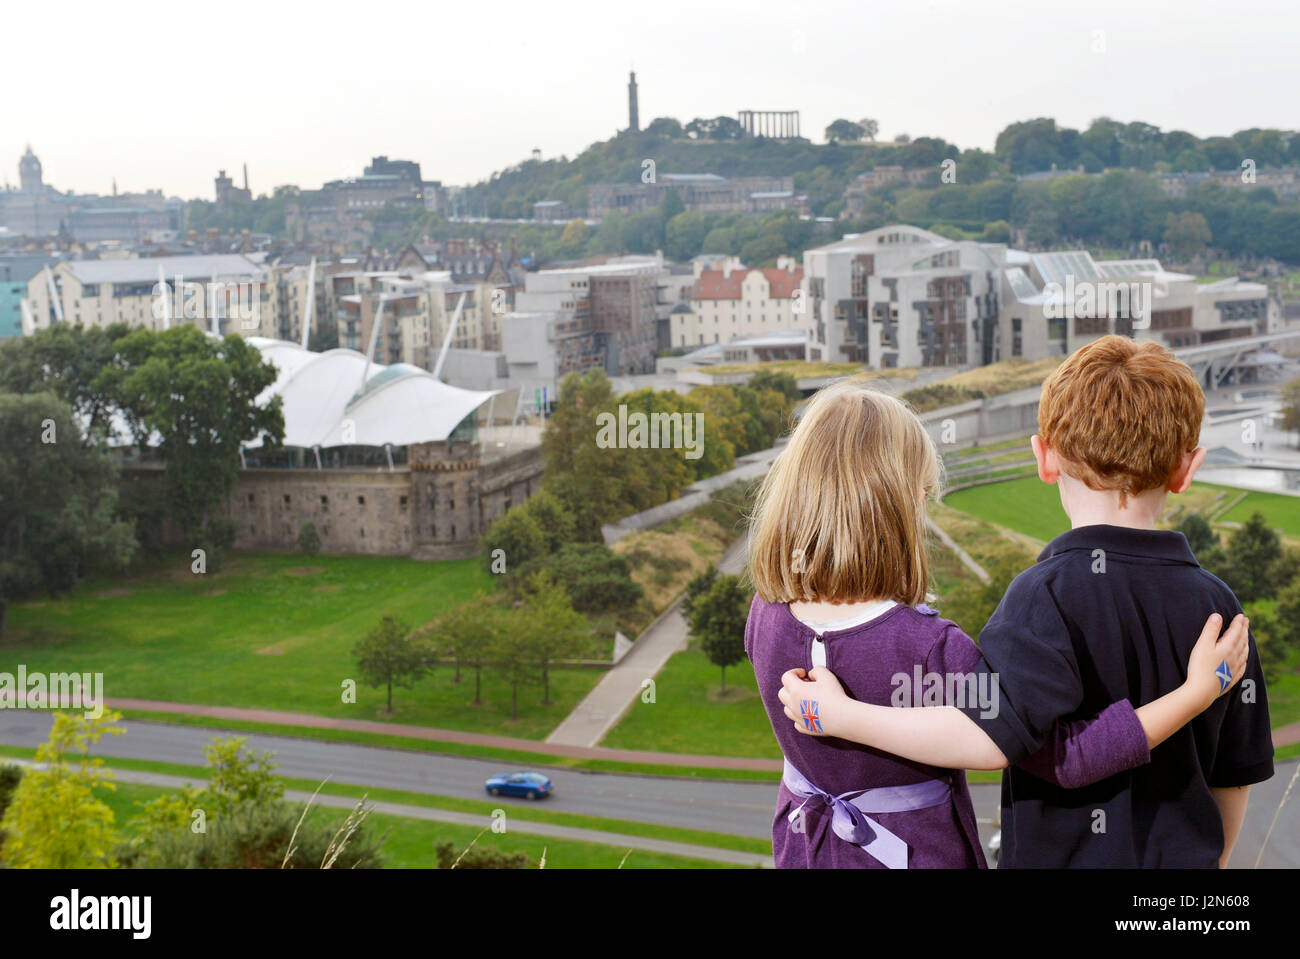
(1048,471)
(1182,477)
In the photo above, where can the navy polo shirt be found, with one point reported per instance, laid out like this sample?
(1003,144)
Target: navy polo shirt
(1112,613)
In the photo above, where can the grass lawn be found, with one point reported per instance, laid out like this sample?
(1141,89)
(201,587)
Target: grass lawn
(1282,511)
(1025,505)
(1032,507)
(410,842)
(690,716)
(274,630)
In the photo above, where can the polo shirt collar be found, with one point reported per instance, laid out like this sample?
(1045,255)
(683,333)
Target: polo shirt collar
(1163,545)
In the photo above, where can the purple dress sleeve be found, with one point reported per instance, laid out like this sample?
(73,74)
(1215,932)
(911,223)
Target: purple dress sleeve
(1090,750)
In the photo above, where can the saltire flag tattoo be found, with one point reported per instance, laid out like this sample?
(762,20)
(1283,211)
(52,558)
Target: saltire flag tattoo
(808,710)
(1224,675)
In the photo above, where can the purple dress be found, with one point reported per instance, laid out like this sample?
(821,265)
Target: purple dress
(866,659)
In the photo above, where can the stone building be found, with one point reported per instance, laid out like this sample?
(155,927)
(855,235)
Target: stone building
(435,507)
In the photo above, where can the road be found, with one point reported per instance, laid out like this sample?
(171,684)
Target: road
(743,809)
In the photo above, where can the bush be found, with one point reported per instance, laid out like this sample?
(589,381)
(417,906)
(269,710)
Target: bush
(218,535)
(255,835)
(309,539)
(938,395)
(9,778)
(1269,640)
(596,578)
(479,857)
(10,775)
(1252,560)
(1200,537)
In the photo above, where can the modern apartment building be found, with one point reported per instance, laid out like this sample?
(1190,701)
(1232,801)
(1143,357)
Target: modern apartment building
(573,319)
(903,296)
(1054,303)
(225,293)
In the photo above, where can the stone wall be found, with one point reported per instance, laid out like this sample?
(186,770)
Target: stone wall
(436,507)
(355,511)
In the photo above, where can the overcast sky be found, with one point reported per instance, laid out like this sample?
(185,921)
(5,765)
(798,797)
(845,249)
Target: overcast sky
(162,94)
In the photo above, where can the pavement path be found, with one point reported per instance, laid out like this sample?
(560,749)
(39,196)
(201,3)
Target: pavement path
(621,686)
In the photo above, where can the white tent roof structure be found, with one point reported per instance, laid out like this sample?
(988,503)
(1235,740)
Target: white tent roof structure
(332,399)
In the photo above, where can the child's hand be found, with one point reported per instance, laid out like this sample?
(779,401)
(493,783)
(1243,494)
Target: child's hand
(812,703)
(1206,665)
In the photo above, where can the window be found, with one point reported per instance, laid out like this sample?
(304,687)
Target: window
(250,498)
(324,501)
(361,501)
(286,499)
(403,501)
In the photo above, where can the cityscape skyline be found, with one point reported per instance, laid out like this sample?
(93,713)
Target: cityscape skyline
(1108,60)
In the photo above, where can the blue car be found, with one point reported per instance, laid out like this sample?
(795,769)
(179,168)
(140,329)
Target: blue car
(528,785)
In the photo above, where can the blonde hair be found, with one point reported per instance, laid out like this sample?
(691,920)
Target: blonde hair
(840,516)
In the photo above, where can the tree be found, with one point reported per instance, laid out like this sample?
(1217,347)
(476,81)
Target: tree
(596,578)
(67,361)
(684,235)
(845,131)
(782,383)
(308,538)
(1287,632)
(672,206)
(518,536)
(1267,627)
(1187,234)
(1200,537)
(1252,555)
(1291,405)
(54,819)
(198,397)
(700,584)
(718,621)
(575,237)
(463,634)
(552,628)
(869,128)
(665,127)
(972,602)
(58,501)
(387,656)
(511,654)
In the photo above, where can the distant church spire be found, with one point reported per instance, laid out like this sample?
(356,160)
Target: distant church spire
(633,122)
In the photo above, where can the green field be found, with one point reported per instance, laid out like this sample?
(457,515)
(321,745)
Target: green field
(689,716)
(1032,507)
(410,842)
(1282,511)
(1027,506)
(274,631)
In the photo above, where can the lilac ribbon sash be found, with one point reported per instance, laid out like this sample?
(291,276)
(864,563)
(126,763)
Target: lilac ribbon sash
(849,811)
